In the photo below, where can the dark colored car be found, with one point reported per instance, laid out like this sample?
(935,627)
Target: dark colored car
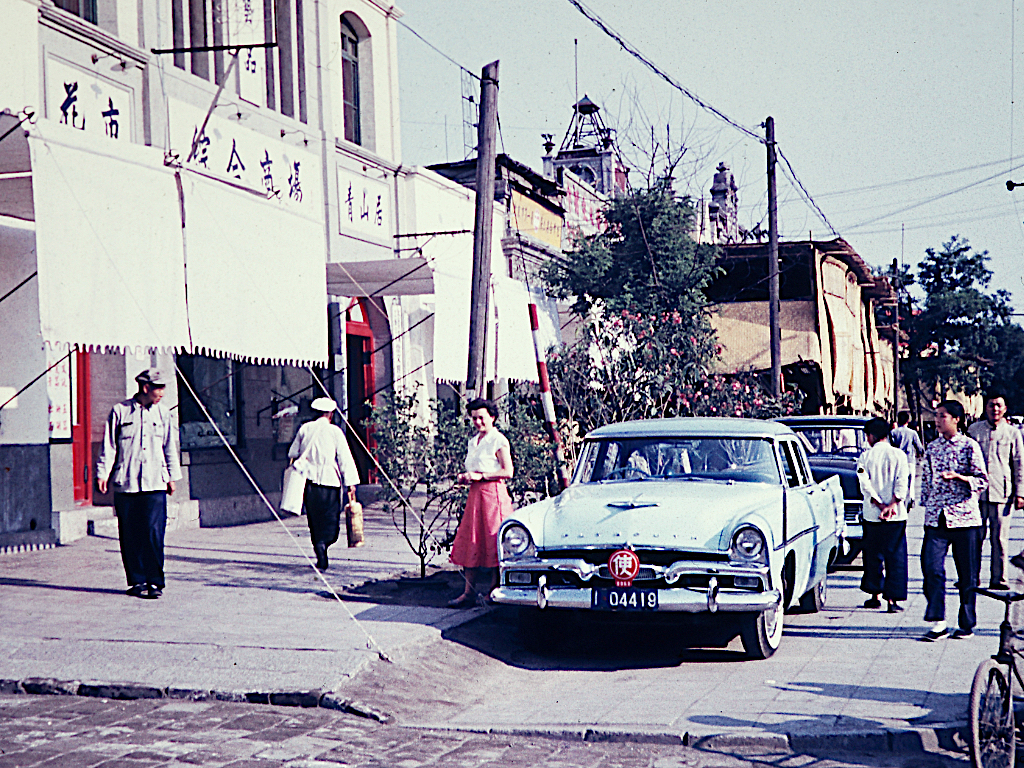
(833,445)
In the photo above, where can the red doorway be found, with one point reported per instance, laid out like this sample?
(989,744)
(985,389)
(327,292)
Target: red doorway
(361,383)
(81,428)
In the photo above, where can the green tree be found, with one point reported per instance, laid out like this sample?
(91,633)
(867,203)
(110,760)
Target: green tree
(958,332)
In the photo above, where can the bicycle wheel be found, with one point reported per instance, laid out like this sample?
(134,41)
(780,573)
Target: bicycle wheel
(990,718)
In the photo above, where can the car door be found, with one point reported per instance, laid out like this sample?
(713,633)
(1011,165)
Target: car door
(800,525)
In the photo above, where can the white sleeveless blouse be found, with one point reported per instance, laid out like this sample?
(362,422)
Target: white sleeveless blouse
(482,455)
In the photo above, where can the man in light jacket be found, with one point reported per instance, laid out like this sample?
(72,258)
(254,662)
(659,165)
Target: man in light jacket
(320,452)
(139,460)
(884,475)
(1001,445)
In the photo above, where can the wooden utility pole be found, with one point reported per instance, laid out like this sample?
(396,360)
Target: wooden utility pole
(896,342)
(485,160)
(773,263)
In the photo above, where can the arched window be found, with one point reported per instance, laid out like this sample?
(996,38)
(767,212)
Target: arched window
(350,82)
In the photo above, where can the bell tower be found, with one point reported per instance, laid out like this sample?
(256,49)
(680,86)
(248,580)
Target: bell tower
(588,151)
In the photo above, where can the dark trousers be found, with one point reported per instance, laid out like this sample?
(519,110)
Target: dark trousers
(141,524)
(966,555)
(885,559)
(323,514)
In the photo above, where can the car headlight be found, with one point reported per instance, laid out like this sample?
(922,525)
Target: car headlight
(516,542)
(748,547)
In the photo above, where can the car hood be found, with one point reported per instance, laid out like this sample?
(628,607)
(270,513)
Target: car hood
(681,514)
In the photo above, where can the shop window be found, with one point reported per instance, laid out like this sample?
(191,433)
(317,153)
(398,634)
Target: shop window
(216,382)
(85,9)
(350,82)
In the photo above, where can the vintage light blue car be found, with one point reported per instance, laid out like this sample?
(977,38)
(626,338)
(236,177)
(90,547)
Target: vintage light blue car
(709,516)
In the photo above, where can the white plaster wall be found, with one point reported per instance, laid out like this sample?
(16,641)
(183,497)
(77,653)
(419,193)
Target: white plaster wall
(22,357)
(20,84)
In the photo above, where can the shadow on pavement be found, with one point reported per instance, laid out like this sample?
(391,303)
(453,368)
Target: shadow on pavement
(4,581)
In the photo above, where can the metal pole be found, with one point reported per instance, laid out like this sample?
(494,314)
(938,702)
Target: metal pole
(896,343)
(548,403)
(773,263)
(485,162)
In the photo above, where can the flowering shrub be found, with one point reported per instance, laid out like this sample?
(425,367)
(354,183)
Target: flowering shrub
(636,366)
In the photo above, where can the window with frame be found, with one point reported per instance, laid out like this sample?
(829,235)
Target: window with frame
(216,382)
(84,9)
(350,82)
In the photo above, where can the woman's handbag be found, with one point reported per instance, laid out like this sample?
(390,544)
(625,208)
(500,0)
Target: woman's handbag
(293,485)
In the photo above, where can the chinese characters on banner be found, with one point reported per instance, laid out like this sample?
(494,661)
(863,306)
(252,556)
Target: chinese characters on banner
(364,205)
(583,208)
(86,101)
(245,25)
(287,173)
(59,390)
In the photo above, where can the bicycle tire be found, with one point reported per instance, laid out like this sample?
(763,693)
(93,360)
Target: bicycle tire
(993,733)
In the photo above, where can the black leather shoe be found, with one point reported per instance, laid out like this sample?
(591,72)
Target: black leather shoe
(136,590)
(895,607)
(872,602)
(960,634)
(1018,560)
(999,586)
(152,592)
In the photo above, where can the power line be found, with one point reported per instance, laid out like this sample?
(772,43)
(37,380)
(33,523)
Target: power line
(436,49)
(603,26)
(803,190)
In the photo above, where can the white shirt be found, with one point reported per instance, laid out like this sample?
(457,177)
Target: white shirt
(322,455)
(482,453)
(140,448)
(884,474)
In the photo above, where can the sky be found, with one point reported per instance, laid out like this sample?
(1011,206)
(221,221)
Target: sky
(899,119)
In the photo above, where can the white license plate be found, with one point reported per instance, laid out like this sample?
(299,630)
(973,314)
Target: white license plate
(624,599)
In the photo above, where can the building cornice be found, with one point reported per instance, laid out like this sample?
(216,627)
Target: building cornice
(67,23)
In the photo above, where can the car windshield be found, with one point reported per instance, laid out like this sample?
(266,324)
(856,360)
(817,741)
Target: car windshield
(677,458)
(839,441)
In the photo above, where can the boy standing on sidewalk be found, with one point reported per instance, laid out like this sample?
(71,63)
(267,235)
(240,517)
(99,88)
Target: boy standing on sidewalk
(884,476)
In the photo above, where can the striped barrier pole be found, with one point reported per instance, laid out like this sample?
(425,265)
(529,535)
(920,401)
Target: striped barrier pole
(546,400)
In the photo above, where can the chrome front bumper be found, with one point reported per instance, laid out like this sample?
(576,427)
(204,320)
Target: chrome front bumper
(678,599)
(672,596)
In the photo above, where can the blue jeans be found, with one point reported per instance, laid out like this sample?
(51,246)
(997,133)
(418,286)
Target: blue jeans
(966,556)
(141,523)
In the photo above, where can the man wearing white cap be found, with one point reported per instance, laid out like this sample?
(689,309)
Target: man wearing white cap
(321,454)
(139,460)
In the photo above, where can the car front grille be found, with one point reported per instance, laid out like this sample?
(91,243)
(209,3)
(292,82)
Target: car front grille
(644,574)
(661,557)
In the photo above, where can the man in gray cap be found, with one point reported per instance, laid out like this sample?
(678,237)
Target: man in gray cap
(321,454)
(139,460)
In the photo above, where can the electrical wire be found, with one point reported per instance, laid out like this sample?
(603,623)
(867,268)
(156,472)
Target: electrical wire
(435,48)
(803,190)
(632,51)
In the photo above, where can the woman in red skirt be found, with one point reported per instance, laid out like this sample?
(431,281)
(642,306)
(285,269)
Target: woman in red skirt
(488,466)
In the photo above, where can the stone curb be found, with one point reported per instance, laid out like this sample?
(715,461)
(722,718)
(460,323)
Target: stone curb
(943,736)
(129,691)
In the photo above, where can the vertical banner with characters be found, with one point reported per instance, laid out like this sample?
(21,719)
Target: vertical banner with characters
(245,25)
(60,391)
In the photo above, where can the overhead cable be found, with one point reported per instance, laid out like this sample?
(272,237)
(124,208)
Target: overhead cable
(632,51)
(436,49)
(803,190)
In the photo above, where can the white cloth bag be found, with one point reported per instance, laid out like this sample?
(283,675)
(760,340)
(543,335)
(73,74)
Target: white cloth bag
(293,486)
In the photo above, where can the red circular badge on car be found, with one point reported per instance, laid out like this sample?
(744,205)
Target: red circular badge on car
(623,566)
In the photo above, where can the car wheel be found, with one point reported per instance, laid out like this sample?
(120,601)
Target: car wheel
(814,599)
(761,633)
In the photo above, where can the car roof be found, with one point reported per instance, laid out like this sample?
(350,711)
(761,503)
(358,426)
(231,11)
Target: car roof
(824,421)
(693,426)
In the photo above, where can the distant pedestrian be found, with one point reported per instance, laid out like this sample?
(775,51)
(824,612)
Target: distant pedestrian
(907,440)
(884,475)
(1002,446)
(488,466)
(321,454)
(139,459)
(952,477)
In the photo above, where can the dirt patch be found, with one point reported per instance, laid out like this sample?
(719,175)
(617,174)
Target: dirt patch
(434,591)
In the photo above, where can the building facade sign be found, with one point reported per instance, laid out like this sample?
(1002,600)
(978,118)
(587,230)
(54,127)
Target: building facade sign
(86,101)
(286,173)
(245,26)
(584,207)
(59,390)
(364,206)
(531,218)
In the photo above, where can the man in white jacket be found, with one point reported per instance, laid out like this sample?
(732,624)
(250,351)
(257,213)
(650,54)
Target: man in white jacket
(321,454)
(884,474)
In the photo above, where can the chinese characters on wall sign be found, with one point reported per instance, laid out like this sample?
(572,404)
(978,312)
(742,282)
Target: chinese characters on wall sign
(59,391)
(364,206)
(87,101)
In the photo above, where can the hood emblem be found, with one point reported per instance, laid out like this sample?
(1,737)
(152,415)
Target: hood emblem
(633,504)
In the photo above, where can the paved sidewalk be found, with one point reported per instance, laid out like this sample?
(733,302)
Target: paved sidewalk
(244,616)
(243,611)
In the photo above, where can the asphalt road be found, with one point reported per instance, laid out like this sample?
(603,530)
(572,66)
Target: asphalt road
(73,732)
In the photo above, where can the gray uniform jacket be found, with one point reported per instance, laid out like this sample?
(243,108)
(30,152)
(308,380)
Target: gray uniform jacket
(1002,448)
(140,448)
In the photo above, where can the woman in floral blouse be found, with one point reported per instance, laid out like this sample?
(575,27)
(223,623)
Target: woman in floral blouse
(952,477)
